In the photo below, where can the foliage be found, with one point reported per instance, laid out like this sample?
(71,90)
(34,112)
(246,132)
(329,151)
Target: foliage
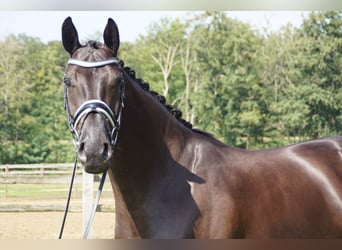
(33,126)
(249,89)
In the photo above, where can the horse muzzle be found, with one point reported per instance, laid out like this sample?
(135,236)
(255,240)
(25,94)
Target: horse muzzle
(94,143)
(94,151)
(94,155)
(95,129)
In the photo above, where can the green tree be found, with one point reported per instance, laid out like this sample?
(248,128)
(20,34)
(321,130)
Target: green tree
(286,117)
(33,127)
(229,97)
(321,72)
(14,92)
(48,128)
(306,73)
(156,57)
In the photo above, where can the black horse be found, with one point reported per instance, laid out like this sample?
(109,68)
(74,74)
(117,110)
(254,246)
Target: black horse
(171,181)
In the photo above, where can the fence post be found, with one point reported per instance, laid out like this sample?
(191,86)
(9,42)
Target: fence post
(41,171)
(6,187)
(87,197)
(6,190)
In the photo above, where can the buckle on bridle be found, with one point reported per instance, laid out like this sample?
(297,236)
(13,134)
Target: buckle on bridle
(114,135)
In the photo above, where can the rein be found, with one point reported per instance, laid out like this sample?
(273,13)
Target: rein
(92,106)
(93,210)
(68,200)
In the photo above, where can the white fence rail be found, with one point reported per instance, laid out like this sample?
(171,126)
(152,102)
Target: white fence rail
(49,174)
(38,174)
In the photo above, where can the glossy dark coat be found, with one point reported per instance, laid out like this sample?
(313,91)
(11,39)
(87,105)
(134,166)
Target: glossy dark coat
(170,181)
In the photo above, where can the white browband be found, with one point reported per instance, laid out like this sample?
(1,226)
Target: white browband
(86,64)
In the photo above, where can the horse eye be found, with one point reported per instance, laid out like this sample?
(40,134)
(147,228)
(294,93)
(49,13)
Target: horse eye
(67,81)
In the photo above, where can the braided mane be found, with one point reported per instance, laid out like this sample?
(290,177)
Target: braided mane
(175,112)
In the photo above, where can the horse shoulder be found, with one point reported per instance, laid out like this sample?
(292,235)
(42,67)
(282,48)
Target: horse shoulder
(211,162)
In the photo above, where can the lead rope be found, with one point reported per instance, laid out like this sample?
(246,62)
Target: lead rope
(93,211)
(68,200)
(96,202)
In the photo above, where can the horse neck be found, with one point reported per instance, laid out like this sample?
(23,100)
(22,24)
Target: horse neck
(147,162)
(148,130)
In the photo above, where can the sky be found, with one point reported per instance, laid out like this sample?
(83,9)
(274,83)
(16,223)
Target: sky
(46,25)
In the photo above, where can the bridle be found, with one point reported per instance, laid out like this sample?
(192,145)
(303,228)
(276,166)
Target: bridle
(95,106)
(92,106)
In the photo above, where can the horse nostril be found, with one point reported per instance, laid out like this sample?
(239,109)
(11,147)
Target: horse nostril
(81,147)
(81,152)
(105,151)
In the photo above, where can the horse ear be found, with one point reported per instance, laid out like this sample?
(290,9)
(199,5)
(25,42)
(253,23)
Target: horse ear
(111,36)
(70,36)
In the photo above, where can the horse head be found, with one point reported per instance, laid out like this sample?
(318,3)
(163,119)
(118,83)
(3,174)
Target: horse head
(93,91)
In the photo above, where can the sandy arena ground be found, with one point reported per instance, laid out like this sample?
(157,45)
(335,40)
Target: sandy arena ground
(46,225)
